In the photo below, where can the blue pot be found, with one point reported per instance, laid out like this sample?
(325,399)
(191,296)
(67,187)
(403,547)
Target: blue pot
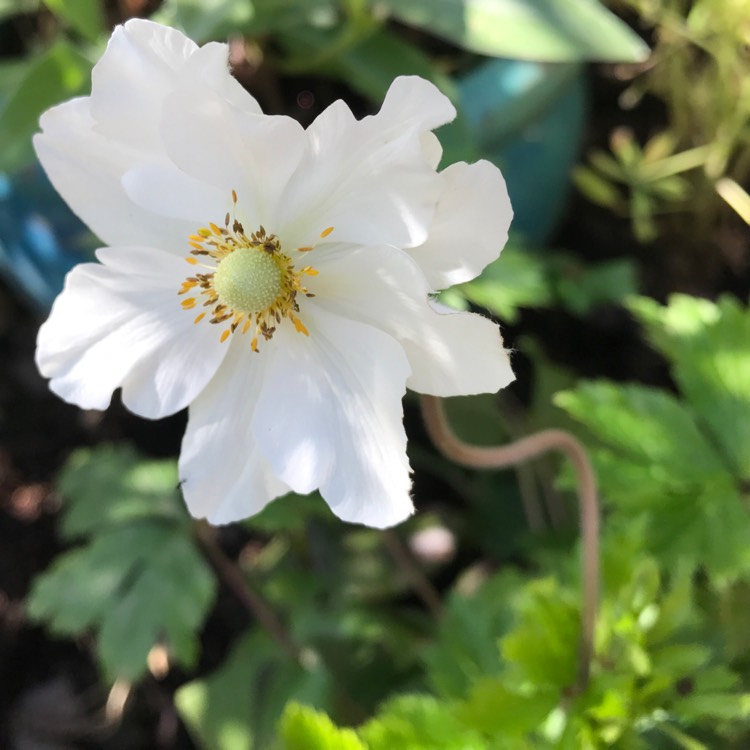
(528,118)
(40,237)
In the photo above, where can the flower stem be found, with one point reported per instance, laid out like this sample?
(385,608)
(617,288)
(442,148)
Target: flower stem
(403,558)
(520,451)
(230,573)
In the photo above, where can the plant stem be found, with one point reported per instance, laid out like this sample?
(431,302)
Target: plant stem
(230,573)
(520,451)
(404,559)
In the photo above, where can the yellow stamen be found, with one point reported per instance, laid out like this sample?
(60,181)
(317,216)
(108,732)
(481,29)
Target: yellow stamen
(249,282)
(299,326)
(326,232)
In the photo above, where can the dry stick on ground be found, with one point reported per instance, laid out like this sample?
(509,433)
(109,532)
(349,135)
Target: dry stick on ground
(230,573)
(518,452)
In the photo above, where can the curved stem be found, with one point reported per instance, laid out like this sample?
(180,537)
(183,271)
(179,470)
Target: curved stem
(232,576)
(520,451)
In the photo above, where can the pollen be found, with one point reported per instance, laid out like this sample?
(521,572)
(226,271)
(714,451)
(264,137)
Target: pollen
(250,284)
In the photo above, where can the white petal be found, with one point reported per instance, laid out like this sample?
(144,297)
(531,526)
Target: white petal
(139,67)
(86,169)
(143,63)
(224,476)
(168,191)
(371,179)
(215,142)
(330,416)
(450,353)
(411,103)
(431,148)
(121,324)
(470,227)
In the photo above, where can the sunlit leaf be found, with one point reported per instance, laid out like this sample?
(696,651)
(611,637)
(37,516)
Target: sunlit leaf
(419,722)
(708,344)
(304,729)
(545,30)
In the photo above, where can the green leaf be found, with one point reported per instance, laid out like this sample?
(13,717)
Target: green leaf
(582,288)
(59,73)
(111,485)
(167,595)
(659,464)
(238,707)
(648,426)
(84,16)
(305,729)
(76,590)
(466,645)
(708,343)
(516,279)
(419,722)
(596,188)
(139,579)
(545,30)
(137,583)
(494,708)
(543,646)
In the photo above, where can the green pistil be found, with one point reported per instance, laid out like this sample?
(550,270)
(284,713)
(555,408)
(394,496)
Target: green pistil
(248,280)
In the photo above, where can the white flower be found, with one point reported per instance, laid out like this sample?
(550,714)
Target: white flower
(306,312)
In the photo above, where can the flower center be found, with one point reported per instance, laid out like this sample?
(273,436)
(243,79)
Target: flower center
(248,280)
(251,284)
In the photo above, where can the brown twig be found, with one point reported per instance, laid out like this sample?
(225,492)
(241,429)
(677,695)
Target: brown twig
(404,559)
(232,576)
(518,452)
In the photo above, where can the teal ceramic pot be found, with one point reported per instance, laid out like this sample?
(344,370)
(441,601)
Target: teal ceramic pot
(40,238)
(528,118)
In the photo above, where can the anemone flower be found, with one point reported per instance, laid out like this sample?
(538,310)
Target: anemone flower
(278,281)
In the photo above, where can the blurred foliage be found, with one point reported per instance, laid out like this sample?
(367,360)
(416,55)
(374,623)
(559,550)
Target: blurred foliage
(137,579)
(531,277)
(698,164)
(499,668)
